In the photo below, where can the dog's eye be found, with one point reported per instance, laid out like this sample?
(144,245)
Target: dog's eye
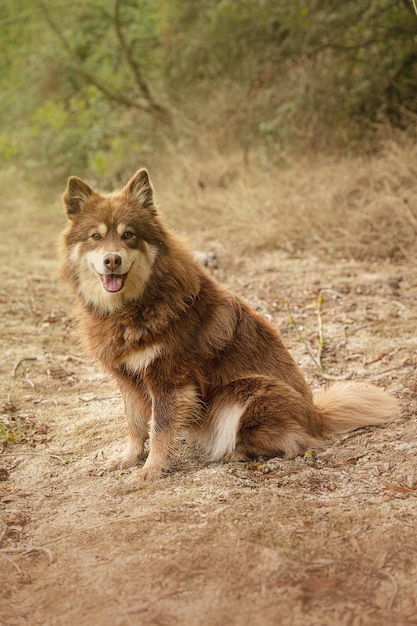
(96,236)
(127,234)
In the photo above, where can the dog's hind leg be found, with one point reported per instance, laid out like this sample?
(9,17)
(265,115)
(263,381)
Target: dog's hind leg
(138,415)
(259,416)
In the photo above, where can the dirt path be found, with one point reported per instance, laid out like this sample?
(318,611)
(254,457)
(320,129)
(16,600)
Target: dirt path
(326,539)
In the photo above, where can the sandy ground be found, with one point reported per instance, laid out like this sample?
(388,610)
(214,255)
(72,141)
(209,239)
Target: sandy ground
(325,539)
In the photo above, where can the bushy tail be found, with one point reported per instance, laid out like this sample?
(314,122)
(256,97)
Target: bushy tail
(346,406)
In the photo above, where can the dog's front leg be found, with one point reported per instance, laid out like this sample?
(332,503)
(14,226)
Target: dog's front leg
(138,416)
(172,410)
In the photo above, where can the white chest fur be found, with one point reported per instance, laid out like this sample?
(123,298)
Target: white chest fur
(138,361)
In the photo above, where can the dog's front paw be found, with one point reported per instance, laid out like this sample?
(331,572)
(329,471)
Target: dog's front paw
(145,474)
(124,461)
(130,456)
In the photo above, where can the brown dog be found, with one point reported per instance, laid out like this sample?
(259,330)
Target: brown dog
(186,353)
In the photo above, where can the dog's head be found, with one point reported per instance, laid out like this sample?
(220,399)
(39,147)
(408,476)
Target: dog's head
(111,241)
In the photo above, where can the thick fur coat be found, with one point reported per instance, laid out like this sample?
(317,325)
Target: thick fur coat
(186,353)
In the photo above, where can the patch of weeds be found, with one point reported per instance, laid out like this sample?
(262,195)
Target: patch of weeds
(19,429)
(10,432)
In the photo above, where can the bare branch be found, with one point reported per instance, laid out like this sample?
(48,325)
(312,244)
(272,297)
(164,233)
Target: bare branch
(134,67)
(76,62)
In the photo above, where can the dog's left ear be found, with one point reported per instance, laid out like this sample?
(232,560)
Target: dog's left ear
(76,193)
(140,188)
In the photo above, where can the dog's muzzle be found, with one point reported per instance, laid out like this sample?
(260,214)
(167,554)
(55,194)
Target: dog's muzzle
(113,281)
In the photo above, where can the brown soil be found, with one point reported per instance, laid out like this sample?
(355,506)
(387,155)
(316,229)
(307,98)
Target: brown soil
(321,540)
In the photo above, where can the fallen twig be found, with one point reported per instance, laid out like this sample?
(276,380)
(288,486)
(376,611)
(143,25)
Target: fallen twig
(19,570)
(393,369)
(19,363)
(27,379)
(382,356)
(97,398)
(352,433)
(52,456)
(395,591)
(28,550)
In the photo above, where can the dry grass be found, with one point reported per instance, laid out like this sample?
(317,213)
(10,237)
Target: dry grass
(361,207)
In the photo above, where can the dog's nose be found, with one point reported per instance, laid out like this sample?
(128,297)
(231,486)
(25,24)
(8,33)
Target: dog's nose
(112,261)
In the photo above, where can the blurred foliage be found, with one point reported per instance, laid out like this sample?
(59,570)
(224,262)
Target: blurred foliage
(91,85)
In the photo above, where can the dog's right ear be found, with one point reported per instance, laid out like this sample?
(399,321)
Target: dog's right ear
(76,193)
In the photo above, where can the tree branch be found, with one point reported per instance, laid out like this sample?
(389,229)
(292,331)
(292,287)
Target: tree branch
(134,67)
(76,63)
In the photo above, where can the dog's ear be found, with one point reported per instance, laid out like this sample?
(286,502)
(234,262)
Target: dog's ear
(140,188)
(76,193)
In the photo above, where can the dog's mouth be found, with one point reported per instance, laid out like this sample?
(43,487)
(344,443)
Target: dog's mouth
(113,282)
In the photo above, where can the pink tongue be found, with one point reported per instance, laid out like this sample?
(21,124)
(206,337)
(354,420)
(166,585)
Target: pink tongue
(112,282)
